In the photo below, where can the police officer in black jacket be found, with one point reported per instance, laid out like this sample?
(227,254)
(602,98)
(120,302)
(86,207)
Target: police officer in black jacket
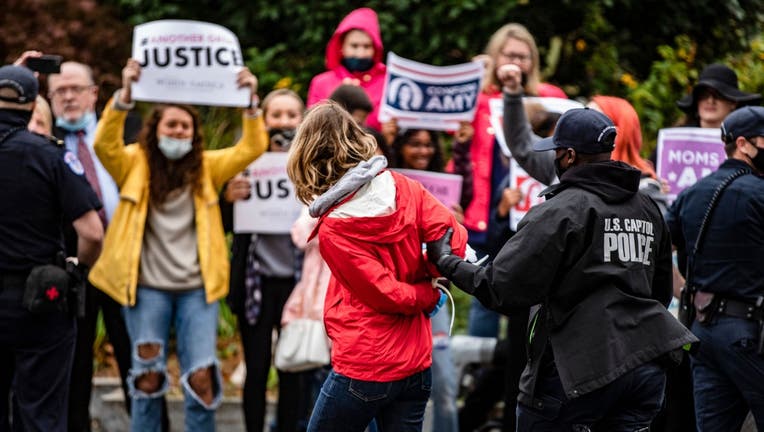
(41,187)
(726,275)
(597,257)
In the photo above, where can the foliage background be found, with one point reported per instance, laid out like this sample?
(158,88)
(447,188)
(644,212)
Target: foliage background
(649,51)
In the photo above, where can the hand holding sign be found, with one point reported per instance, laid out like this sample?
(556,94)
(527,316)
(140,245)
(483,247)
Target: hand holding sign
(390,130)
(510,197)
(238,188)
(130,73)
(465,133)
(245,78)
(188,62)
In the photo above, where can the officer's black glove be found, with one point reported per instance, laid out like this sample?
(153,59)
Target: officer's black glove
(440,248)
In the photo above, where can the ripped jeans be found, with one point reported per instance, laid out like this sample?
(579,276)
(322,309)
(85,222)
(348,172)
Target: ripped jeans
(195,322)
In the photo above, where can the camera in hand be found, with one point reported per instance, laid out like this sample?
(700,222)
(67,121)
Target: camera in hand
(45,64)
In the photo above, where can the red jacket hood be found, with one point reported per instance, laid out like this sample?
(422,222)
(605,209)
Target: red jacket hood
(360,19)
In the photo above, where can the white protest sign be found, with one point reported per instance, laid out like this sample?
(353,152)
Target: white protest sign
(529,187)
(686,154)
(418,95)
(189,62)
(273,206)
(550,104)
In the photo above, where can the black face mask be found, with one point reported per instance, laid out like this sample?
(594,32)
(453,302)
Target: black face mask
(355,64)
(558,166)
(282,137)
(758,160)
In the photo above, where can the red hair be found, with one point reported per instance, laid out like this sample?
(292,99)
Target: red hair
(628,142)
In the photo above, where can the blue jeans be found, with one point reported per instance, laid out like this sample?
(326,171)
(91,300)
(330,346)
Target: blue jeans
(349,405)
(445,387)
(728,375)
(195,322)
(627,404)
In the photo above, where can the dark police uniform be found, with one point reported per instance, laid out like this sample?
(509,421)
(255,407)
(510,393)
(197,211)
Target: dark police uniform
(41,187)
(728,374)
(596,255)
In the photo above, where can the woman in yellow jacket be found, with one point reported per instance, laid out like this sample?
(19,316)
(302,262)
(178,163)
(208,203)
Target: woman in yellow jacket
(165,256)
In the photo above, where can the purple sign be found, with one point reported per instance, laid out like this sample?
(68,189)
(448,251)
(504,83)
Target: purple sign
(685,155)
(447,188)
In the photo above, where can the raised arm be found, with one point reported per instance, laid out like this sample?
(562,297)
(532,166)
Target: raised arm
(109,144)
(226,163)
(517,130)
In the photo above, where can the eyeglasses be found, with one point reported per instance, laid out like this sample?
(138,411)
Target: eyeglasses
(518,57)
(62,91)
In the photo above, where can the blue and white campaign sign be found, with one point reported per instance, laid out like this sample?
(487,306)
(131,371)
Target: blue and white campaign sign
(189,62)
(418,95)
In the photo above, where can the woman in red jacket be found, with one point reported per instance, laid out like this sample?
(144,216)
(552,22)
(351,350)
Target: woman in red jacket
(372,224)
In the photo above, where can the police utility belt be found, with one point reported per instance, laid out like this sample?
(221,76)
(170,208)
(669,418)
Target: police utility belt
(708,304)
(58,287)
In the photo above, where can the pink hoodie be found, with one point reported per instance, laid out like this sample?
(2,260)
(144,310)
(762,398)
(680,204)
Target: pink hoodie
(373,80)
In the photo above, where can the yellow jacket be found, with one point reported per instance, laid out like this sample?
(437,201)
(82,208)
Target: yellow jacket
(116,271)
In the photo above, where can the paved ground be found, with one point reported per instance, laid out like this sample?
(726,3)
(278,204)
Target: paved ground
(107,409)
(109,415)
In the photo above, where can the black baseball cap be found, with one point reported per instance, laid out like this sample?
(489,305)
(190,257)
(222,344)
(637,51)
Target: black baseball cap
(20,79)
(585,130)
(744,122)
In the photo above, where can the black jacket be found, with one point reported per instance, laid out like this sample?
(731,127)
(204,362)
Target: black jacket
(597,256)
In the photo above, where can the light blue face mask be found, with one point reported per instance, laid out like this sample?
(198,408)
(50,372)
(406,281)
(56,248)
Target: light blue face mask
(74,126)
(173,148)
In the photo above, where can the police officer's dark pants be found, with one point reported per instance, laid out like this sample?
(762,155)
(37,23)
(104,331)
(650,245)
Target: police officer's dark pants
(82,369)
(42,347)
(627,404)
(728,374)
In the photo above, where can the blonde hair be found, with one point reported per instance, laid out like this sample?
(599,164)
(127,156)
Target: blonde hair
(493,49)
(280,92)
(42,108)
(328,143)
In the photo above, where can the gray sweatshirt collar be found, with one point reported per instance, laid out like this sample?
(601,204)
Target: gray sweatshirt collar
(356,177)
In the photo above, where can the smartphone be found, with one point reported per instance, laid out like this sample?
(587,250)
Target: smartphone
(45,64)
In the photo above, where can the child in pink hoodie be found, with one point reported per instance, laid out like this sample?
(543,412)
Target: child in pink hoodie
(353,56)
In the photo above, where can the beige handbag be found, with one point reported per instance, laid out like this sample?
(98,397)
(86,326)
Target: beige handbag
(302,345)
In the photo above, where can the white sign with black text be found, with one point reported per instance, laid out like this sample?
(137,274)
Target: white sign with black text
(188,62)
(273,207)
